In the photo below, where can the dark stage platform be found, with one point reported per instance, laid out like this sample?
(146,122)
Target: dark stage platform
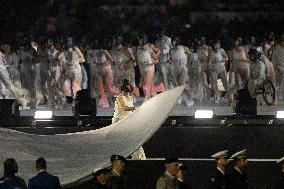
(180,115)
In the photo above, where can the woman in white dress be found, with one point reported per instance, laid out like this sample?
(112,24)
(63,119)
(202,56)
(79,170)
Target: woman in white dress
(124,105)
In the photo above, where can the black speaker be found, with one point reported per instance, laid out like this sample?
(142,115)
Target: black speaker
(84,104)
(9,108)
(245,104)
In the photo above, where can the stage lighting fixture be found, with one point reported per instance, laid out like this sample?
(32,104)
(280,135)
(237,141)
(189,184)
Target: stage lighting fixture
(43,115)
(84,104)
(280,114)
(9,108)
(203,114)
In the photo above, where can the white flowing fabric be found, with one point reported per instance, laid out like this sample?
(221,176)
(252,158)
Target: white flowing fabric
(76,155)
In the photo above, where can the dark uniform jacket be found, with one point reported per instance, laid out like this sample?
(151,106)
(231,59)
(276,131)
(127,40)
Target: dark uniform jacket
(183,185)
(238,180)
(116,181)
(219,181)
(167,182)
(44,180)
(280,183)
(97,185)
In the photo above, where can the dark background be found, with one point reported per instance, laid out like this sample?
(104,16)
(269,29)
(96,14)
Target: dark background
(89,19)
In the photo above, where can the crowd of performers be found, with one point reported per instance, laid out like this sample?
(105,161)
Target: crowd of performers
(53,71)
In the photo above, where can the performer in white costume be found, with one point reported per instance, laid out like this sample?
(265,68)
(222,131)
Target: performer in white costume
(124,105)
(132,50)
(163,68)
(35,87)
(268,45)
(12,65)
(278,62)
(25,61)
(5,79)
(239,65)
(84,47)
(55,82)
(90,58)
(44,70)
(72,70)
(197,76)
(123,62)
(178,60)
(203,53)
(216,63)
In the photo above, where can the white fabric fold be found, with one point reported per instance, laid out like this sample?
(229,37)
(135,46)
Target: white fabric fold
(75,155)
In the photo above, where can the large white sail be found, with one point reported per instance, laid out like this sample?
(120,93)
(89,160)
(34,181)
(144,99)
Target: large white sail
(75,155)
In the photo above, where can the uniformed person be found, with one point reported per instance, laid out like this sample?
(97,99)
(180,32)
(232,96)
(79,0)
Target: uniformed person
(181,177)
(100,179)
(238,178)
(117,180)
(280,183)
(219,180)
(168,180)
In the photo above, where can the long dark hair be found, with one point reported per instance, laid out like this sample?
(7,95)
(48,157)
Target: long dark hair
(10,168)
(125,86)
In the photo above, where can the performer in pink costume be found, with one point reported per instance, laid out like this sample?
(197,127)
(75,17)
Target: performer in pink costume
(101,74)
(147,56)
